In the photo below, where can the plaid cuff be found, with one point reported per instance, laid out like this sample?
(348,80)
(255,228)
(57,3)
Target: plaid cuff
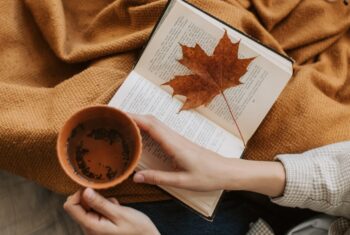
(260,227)
(340,226)
(299,180)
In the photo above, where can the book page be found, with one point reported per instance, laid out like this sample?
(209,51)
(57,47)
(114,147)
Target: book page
(138,95)
(250,101)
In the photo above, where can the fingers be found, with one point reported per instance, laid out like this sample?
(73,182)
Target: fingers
(74,199)
(74,209)
(101,205)
(174,179)
(91,222)
(72,205)
(113,200)
(160,132)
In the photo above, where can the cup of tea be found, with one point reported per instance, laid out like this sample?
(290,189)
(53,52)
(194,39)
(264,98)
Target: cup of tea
(99,147)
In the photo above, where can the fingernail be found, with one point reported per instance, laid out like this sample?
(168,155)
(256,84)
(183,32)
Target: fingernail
(139,178)
(89,193)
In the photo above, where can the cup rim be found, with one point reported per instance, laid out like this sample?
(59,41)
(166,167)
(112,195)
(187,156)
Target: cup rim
(61,151)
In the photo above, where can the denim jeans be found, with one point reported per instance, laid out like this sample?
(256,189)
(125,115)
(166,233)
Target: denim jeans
(233,216)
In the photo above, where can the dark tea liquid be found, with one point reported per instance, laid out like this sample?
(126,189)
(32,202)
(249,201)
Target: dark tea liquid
(98,150)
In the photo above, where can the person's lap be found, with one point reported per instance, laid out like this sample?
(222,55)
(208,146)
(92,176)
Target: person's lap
(170,217)
(233,216)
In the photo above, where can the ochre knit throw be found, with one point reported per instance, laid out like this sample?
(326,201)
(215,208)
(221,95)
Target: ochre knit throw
(58,56)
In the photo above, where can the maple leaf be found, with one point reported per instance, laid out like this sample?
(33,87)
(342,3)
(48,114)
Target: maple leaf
(211,75)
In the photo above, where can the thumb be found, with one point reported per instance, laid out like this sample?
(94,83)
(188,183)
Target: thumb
(100,204)
(174,179)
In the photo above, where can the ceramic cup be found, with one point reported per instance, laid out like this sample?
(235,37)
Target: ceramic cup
(99,147)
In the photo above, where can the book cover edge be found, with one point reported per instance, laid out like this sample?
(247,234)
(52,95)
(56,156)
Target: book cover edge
(214,17)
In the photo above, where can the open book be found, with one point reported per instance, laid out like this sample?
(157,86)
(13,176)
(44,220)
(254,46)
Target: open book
(211,126)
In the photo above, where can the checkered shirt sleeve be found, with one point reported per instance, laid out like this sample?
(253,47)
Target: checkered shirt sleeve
(260,227)
(318,179)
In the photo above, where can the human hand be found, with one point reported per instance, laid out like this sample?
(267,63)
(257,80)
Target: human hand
(195,168)
(109,218)
(200,169)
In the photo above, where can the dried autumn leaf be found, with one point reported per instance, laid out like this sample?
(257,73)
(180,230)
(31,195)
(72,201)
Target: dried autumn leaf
(211,75)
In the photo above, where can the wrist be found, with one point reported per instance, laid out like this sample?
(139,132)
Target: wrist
(265,177)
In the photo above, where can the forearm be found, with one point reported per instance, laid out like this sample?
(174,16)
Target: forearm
(263,177)
(317,179)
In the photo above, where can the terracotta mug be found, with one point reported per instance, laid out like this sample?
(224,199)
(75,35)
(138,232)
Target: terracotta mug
(99,147)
